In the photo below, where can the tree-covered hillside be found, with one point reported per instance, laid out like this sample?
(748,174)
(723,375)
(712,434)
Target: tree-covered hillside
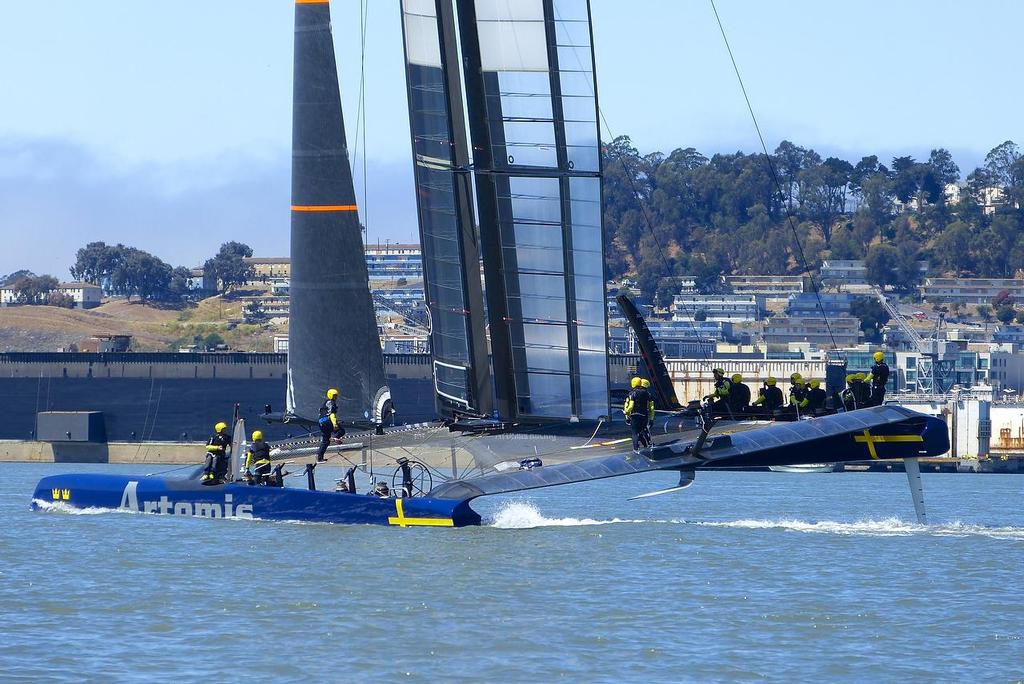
(683,213)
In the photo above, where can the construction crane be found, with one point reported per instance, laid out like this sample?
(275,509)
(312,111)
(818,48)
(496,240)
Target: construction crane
(933,373)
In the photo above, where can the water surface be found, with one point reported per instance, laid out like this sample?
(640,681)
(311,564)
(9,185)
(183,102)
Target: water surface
(743,576)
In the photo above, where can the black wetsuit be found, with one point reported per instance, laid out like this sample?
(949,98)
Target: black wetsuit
(329,408)
(815,400)
(217,457)
(879,376)
(772,398)
(722,406)
(636,408)
(261,460)
(862,392)
(739,398)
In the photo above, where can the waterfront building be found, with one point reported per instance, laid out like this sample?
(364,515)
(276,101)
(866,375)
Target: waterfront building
(970,290)
(771,287)
(811,304)
(717,308)
(83,295)
(843,331)
(265,268)
(394,261)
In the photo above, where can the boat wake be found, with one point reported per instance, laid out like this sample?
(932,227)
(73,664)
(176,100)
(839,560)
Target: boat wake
(67,509)
(522,515)
(885,527)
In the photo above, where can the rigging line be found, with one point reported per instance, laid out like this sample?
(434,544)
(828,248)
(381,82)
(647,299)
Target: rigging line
(774,175)
(592,85)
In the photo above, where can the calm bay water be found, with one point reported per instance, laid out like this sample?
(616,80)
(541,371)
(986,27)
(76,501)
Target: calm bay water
(743,576)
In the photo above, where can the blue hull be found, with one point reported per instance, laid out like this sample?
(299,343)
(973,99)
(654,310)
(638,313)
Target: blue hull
(188,497)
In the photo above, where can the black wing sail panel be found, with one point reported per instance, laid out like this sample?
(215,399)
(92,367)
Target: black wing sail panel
(664,391)
(882,432)
(533,114)
(444,200)
(332,336)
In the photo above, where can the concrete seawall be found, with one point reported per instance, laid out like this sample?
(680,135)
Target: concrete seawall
(113,452)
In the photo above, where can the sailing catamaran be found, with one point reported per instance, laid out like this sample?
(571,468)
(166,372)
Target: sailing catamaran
(520,358)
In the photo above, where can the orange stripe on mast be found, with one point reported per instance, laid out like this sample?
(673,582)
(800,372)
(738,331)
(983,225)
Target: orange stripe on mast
(325,207)
(312,2)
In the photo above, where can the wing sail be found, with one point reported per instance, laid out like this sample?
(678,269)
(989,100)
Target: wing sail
(532,105)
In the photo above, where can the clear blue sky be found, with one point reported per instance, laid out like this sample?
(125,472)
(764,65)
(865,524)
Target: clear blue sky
(166,125)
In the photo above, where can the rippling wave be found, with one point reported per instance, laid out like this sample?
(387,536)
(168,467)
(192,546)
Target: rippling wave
(885,527)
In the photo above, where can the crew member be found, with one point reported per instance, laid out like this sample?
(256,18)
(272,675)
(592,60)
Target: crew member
(646,384)
(216,468)
(328,422)
(257,458)
(720,404)
(637,409)
(851,395)
(797,396)
(878,376)
(739,395)
(769,396)
(862,389)
(815,397)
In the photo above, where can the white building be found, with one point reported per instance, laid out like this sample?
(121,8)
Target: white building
(719,308)
(835,272)
(84,295)
(771,287)
(970,290)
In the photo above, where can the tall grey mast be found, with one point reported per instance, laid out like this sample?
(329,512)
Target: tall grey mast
(332,334)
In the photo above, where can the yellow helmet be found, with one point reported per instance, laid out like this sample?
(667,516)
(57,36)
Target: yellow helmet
(220,427)
(332,393)
(635,382)
(645,383)
(850,378)
(878,357)
(859,377)
(795,376)
(815,384)
(770,381)
(717,371)
(736,377)
(257,435)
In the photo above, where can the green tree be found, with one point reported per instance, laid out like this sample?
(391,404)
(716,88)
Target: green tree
(60,299)
(212,341)
(228,267)
(14,277)
(952,248)
(700,315)
(872,316)
(95,262)
(33,289)
(1005,313)
(1000,163)
(254,313)
(881,263)
(178,287)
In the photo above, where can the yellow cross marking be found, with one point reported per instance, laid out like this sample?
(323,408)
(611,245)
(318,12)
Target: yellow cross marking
(403,521)
(871,439)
